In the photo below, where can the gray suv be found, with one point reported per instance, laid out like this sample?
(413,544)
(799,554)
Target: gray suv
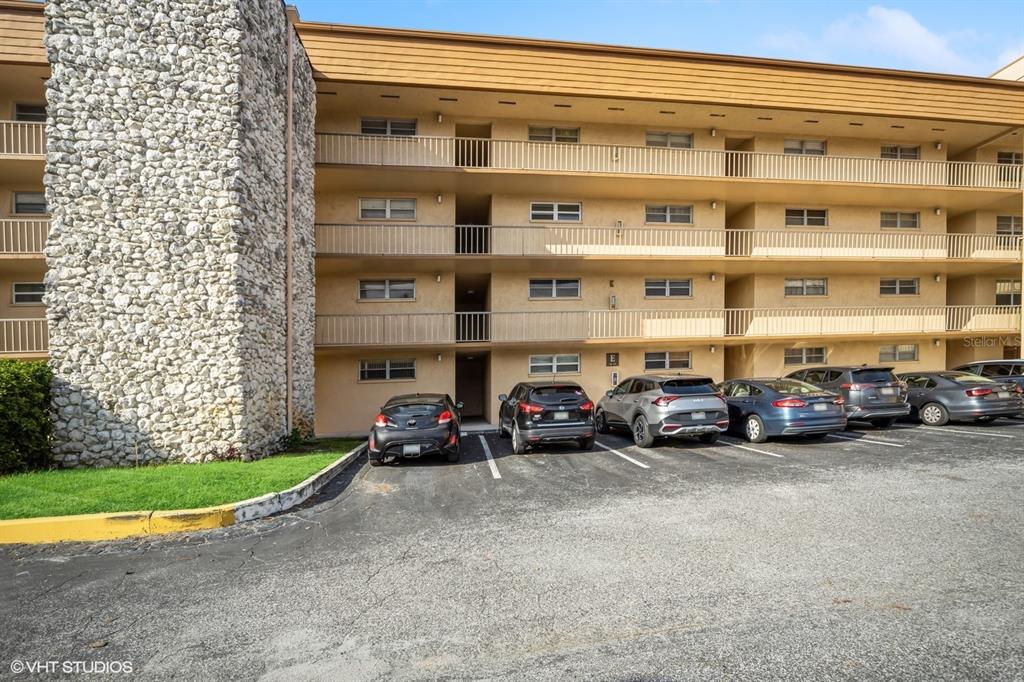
(872,394)
(653,405)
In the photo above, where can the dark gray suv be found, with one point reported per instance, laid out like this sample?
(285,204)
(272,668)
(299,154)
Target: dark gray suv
(872,394)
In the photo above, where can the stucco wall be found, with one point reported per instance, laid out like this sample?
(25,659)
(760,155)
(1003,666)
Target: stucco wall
(768,359)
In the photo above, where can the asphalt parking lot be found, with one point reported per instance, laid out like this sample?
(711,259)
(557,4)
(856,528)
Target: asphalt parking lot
(892,554)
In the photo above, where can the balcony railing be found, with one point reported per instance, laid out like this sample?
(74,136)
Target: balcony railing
(23,336)
(22,139)
(460,152)
(588,325)
(653,242)
(18,236)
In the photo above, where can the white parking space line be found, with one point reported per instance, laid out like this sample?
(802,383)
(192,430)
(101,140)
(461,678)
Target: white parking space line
(866,441)
(969,433)
(623,456)
(747,447)
(490,460)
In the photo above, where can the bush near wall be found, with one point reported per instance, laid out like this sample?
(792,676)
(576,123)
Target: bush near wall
(25,424)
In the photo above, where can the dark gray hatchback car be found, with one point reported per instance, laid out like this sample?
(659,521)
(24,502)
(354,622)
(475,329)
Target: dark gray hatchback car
(999,370)
(938,397)
(872,394)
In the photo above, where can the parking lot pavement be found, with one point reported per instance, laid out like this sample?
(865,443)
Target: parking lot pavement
(874,553)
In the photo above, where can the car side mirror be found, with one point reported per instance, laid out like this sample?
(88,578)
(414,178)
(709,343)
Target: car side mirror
(459,405)
(502,397)
(608,393)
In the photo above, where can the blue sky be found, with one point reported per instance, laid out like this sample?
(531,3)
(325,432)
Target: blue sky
(972,37)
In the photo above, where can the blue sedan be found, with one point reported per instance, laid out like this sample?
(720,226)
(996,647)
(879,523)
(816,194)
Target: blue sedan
(759,408)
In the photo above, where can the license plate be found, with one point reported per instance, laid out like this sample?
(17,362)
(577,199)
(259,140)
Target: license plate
(1004,394)
(888,391)
(560,416)
(411,449)
(820,407)
(699,415)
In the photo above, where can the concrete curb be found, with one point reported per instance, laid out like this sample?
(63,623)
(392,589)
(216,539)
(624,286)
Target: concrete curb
(118,525)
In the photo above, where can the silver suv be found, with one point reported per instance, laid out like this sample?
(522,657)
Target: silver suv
(652,405)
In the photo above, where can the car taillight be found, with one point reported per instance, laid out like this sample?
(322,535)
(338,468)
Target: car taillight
(444,418)
(587,406)
(789,402)
(857,387)
(381,420)
(840,400)
(452,439)
(664,400)
(977,392)
(529,408)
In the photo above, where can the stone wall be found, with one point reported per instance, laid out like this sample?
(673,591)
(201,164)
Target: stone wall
(167,255)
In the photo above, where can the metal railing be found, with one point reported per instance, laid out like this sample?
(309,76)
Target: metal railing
(460,152)
(654,242)
(22,139)
(19,236)
(23,336)
(584,325)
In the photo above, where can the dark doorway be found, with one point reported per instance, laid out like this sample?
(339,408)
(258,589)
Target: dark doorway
(737,161)
(471,383)
(472,322)
(473,146)
(472,223)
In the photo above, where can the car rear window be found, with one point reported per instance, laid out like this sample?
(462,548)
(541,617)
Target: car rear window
(552,395)
(792,387)
(966,378)
(406,410)
(689,387)
(872,376)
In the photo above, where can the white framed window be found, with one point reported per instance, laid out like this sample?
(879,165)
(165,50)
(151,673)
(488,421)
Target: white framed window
(900,219)
(562,212)
(387,289)
(804,147)
(672,140)
(1007,292)
(900,151)
(675,214)
(403,127)
(554,288)
(28,293)
(806,217)
(30,112)
(670,359)
(815,355)
(899,287)
(806,286)
(553,134)
(555,364)
(29,203)
(1010,158)
(1009,225)
(668,288)
(903,352)
(387,209)
(387,370)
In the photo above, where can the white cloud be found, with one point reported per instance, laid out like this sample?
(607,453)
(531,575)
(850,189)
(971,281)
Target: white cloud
(1010,54)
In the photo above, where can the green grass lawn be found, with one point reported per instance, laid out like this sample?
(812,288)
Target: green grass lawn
(169,486)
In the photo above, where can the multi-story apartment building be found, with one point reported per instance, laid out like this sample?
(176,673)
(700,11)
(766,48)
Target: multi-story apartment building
(495,209)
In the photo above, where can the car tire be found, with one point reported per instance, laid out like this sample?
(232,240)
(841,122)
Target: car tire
(753,429)
(642,433)
(934,414)
(502,433)
(375,462)
(518,446)
(587,443)
(884,422)
(708,438)
(601,422)
(453,455)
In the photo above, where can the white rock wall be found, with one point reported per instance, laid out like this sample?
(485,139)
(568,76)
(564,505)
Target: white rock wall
(165,180)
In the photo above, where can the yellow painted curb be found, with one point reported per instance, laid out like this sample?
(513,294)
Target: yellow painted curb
(115,526)
(181,520)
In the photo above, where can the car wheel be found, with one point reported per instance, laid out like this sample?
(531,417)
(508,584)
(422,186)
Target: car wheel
(642,433)
(934,414)
(453,455)
(587,443)
(601,422)
(753,429)
(708,438)
(518,446)
(985,420)
(885,423)
(502,433)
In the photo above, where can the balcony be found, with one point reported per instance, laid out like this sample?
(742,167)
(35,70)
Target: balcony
(22,140)
(625,325)
(23,237)
(23,337)
(655,242)
(522,155)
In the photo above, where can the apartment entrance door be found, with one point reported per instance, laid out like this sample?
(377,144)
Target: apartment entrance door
(473,146)
(471,383)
